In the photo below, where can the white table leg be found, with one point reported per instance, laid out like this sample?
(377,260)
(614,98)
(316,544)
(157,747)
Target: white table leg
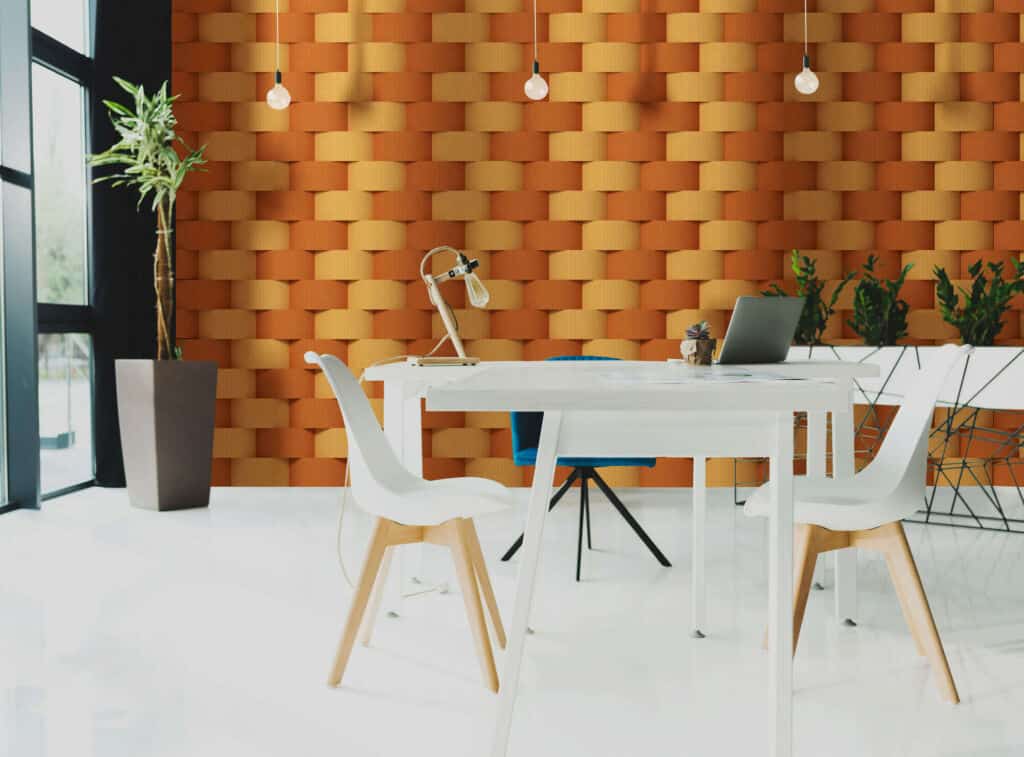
(403,427)
(843,466)
(540,494)
(846,586)
(780,588)
(698,593)
(816,459)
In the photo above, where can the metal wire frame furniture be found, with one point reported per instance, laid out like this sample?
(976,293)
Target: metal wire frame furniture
(991,379)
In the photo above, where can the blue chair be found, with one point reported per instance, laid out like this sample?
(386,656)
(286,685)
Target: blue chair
(526,437)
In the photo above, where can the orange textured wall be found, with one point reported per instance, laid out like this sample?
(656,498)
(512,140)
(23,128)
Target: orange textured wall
(669,171)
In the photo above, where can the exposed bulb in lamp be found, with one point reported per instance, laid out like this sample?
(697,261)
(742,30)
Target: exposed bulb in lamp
(806,82)
(536,88)
(478,294)
(278,96)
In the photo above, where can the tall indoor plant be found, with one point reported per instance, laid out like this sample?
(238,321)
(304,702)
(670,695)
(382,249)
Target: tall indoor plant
(165,406)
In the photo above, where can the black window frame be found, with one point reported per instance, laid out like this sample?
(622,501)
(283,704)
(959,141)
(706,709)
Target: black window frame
(19,260)
(55,318)
(120,314)
(21,47)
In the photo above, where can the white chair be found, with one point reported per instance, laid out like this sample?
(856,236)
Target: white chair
(865,512)
(410,509)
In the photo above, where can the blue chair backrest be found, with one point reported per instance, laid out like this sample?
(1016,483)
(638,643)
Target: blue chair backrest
(526,426)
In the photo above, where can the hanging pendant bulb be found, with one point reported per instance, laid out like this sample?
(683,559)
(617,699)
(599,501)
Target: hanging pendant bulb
(278,96)
(536,88)
(806,82)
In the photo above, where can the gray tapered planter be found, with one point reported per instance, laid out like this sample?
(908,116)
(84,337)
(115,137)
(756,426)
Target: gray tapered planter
(166,411)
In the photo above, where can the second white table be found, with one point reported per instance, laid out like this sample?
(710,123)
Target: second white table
(651,410)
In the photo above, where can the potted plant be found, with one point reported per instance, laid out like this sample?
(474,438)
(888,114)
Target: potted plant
(879,315)
(816,312)
(979,319)
(698,347)
(165,406)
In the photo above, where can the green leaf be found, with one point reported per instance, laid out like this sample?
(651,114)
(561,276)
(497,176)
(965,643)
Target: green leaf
(979,319)
(127,86)
(117,107)
(879,315)
(146,144)
(816,312)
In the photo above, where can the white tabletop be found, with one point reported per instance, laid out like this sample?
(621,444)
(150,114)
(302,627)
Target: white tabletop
(441,373)
(632,386)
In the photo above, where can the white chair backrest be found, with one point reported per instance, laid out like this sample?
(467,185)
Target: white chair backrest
(373,465)
(902,458)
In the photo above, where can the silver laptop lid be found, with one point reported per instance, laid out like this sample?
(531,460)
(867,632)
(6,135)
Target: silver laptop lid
(761,329)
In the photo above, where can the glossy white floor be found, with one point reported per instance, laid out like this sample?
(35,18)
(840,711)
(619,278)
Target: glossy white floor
(210,632)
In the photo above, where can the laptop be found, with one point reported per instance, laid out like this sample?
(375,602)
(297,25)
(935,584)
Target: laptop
(761,330)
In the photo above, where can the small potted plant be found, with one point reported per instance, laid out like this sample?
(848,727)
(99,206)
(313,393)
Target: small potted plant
(879,315)
(698,347)
(817,310)
(165,406)
(979,318)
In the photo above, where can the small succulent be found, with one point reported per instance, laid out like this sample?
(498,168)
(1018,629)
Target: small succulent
(700,330)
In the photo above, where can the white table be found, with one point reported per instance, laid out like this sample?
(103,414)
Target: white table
(405,384)
(650,410)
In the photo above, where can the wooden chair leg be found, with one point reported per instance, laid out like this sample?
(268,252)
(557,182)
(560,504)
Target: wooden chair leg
(474,610)
(805,556)
(373,609)
(371,566)
(920,610)
(480,568)
(902,594)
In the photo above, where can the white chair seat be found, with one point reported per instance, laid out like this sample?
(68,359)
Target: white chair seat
(430,503)
(822,502)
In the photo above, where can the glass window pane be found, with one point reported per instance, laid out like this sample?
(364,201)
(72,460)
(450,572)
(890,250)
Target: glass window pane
(58,127)
(65,410)
(64,20)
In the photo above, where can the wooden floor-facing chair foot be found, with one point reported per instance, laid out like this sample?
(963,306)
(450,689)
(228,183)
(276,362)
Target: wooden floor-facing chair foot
(371,566)
(921,619)
(480,568)
(903,593)
(376,599)
(891,541)
(466,573)
(457,534)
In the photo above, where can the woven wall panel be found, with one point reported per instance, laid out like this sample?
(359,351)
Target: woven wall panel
(669,172)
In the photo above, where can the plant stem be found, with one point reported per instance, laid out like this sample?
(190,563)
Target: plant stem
(163,284)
